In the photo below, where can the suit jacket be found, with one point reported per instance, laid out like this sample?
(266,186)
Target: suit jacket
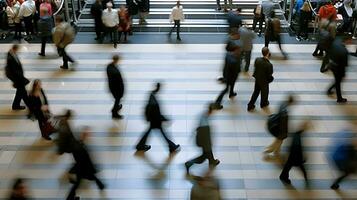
(14,71)
(153,113)
(115,81)
(263,71)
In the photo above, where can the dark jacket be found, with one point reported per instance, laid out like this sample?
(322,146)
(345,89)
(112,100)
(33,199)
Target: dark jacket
(66,140)
(36,103)
(153,113)
(115,81)
(96,11)
(234,19)
(296,156)
(203,134)
(14,71)
(347,20)
(231,68)
(338,57)
(45,26)
(84,166)
(263,71)
(284,119)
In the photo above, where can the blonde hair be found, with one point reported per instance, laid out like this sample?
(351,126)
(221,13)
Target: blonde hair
(306,7)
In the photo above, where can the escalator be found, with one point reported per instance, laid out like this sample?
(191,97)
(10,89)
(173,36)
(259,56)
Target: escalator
(70,10)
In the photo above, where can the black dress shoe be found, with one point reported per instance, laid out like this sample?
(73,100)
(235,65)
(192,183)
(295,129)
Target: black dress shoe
(250,108)
(117,116)
(218,107)
(41,54)
(285,180)
(62,67)
(342,100)
(232,95)
(314,54)
(335,186)
(329,92)
(175,148)
(18,108)
(143,148)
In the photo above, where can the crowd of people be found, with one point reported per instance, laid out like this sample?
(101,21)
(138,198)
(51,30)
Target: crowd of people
(110,21)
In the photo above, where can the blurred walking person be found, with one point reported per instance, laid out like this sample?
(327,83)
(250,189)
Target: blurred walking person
(205,187)
(39,107)
(96,11)
(66,140)
(155,118)
(177,17)
(296,156)
(246,37)
(338,55)
(272,32)
(263,74)
(63,35)
(259,18)
(45,26)
(15,73)
(344,156)
(231,71)
(204,141)
(116,85)
(84,167)
(278,126)
(19,190)
(304,18)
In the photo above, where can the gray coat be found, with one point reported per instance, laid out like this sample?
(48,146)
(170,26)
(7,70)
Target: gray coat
(246,37)
(45,26)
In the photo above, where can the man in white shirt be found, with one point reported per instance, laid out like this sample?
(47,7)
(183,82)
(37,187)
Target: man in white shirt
(110,20)
(177,16)
(27,11)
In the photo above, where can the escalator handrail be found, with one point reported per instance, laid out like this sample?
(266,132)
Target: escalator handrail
(311,8)
(60,8)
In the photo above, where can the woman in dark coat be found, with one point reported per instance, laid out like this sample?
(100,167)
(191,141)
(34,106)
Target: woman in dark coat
(39,107)
(305,16)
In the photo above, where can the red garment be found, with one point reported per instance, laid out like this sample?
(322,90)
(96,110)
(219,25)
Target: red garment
(328,12)
(45,5)
(124,20)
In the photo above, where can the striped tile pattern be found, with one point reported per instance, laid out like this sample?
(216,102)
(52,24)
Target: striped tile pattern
(189,73)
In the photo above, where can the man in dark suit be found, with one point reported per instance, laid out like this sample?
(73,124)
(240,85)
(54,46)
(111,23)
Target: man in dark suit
(338,55)
(296,157)
(263,74)
(116,85)
(203,140)
(231,71)
(96,11)
(15,73)
(154,116)
(83,167)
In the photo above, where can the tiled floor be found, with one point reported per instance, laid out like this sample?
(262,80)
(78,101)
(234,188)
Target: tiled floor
(188,73)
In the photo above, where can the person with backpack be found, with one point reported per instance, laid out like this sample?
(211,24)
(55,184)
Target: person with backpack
(63,35)
(296,155)
(344,156)
(272,32)
(155,118)
(278,126)
(204,141)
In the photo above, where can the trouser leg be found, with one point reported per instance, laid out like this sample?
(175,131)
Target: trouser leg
(43,44)
(274,146)
(72,193)
(339,179)
(266,41)
(247,57)
(221,95)
(285,173)
(177,22)
(303,170)
(218,4)
(255,94)
(325,61)
(172,29)
(98,182)
(169,142)
(142,141)
(21,94)
(198,160)
(264,95)
(116,106)
(338,80)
